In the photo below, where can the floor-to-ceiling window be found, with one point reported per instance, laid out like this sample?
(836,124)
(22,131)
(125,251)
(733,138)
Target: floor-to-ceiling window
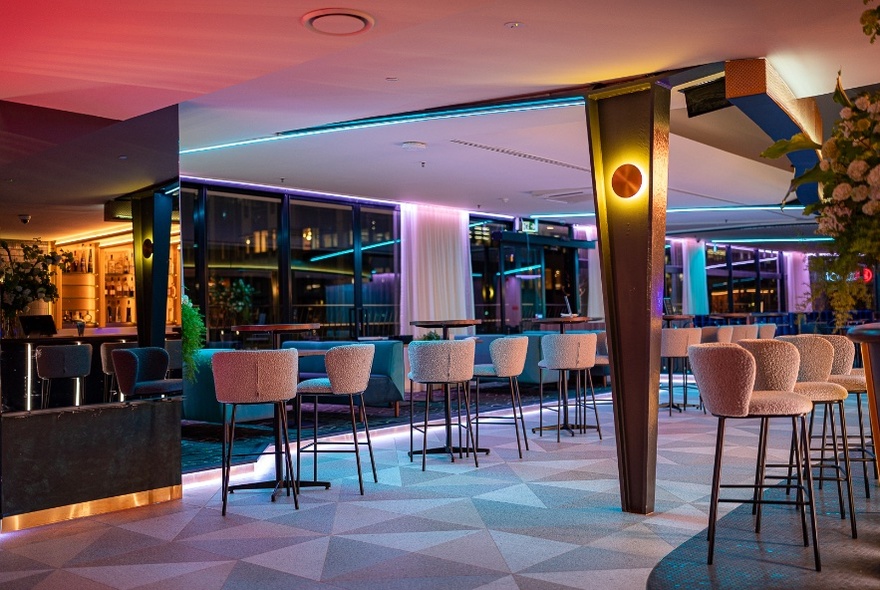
(743,279)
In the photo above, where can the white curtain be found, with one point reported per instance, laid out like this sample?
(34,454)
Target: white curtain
(695,293)
(797,282)
(595,301)
(435,266)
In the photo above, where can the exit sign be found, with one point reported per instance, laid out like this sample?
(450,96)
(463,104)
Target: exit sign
(529,226)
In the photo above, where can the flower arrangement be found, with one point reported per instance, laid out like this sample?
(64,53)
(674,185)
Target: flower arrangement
(27,277)
(848,210)
(192,330)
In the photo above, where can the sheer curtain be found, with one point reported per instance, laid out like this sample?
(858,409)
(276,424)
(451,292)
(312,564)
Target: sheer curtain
(435,266)
(595,301)
(797,282)
(695,293)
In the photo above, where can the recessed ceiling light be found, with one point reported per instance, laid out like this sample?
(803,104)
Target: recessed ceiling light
(514,25)
(391,79)
(414,146)
(339,22)
(123,157)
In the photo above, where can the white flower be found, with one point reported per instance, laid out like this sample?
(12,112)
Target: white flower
(871,207)
(862,103)
(860,193)
(857,169)
(845,113)
(841,192)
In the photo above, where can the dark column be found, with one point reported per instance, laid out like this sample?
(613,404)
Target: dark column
(629,143)
(151,225)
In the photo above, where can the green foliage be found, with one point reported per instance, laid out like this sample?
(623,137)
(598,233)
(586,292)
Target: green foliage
(870,21)
(432,335)
(192,327)
(230,302)
(28,277)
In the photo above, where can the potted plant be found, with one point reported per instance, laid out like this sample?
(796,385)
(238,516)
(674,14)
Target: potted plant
(192,330)
(27,277)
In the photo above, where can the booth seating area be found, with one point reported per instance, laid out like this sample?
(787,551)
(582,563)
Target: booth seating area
(385,388)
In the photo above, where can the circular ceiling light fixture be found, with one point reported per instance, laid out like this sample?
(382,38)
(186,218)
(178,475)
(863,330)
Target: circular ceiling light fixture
(414,146)
(339,22)
(514,25)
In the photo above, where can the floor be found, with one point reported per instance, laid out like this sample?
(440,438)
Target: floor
(551,520)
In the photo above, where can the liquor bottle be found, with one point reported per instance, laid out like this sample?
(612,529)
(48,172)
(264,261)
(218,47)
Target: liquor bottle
(128,313)
(82,262)
(126,267)
(90,268)
(112,287)
(110,314)
(110,265)
(131,288)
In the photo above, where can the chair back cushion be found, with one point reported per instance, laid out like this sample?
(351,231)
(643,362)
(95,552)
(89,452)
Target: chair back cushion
(725,375)
(441,361)
(844,353)
(569,351)
(716,334)
(766,330)
(255,376)
(509,355)
(174,348)
(674,342)
(776,363)
(63,360)
(349,367)
(136,365)
(817,356)
(743,332)
(107,349)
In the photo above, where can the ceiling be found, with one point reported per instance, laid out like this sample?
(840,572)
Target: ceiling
(76,79)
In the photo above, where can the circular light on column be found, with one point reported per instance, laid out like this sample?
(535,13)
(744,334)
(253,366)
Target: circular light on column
(626,181)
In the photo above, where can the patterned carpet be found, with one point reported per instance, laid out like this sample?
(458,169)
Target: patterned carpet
(549,521)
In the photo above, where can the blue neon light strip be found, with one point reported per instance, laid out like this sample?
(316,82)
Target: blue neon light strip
(765,240)
(351,250)
(523,269)
(413,117)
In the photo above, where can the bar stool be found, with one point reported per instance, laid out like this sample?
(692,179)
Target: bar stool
(508,360)
(64,361)
(141,373)
(853,380)
(674,343)
(816,361)
(766,330)
(569,353)
(444,363)
(744,332)
(348,373)
(174,348)
(107,367)
(726,375)
(715,334)
(255,377)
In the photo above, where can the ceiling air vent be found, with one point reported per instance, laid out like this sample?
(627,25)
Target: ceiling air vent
(568,196)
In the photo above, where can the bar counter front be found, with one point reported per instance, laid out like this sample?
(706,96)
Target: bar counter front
(68,461)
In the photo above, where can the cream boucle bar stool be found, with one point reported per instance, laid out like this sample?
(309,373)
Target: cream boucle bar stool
(348,374)
(508,360)
(744,332)
(569,353)
(256,377)
(853,380)
(814,371)
(715,334)
(726,376)
(766,330)
(444,363)
(674,343)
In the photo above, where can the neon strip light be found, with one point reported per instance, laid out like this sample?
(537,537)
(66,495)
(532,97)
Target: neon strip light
(731,209)
(412,117)
(351,250)
(772,240)
(523,269)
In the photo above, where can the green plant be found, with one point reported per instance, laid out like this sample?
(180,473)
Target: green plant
(230,302)
(192,328)
(28,277)
(870,21)
(432,335)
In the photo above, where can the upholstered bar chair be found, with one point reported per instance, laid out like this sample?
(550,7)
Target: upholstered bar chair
(141,373)
(107,367)
(715,334)
(441,363)
(766,330)
(814,372)
(256,377)
(64,361)
(853,380)
(348,374)
(174,348)
(508,361)
(569,354)
(674,344)
(726,375)
(743,332)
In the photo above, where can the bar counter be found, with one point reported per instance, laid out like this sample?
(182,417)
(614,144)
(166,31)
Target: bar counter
(18,372)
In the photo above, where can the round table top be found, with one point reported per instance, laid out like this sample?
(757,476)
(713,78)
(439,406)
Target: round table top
(575,319)
(275,327)
(677,317)
(444,323)
(869,333)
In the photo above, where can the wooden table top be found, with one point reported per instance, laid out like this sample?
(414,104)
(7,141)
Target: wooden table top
(577,319)
(275,327)
(445,323)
